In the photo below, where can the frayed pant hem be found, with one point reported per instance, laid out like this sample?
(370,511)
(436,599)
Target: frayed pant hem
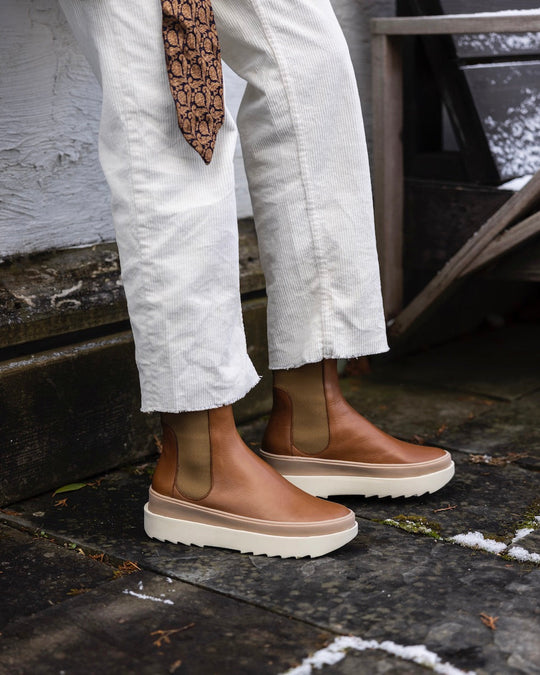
(366,350)
(203,405)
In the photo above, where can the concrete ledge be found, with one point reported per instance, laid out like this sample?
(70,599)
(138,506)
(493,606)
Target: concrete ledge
(58,292)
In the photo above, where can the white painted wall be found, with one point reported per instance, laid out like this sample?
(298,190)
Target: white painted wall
(53,194)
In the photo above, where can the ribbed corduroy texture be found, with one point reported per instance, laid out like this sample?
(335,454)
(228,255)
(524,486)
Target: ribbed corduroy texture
(304,148)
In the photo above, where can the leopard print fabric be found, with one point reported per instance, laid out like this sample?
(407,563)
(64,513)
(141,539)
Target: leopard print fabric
(193,61)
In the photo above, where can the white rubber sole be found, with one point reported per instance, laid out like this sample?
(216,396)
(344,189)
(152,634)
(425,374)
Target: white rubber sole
(190,533)
(413,486)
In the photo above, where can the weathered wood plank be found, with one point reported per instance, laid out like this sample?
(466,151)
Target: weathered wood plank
(505,242)
(506,100)
(514,208)
(388,167)
(59,292)
(70,413)
(485,22)
(439,218)
(478,45)
(462,110)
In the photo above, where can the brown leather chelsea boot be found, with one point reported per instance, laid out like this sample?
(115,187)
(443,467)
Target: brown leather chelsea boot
(316,440)
(210,489)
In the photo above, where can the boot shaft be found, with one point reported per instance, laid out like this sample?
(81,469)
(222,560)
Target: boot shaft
(302,400)
(186,457)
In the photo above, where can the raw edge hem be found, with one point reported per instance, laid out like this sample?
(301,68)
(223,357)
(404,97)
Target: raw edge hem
(368,350)
(209,406)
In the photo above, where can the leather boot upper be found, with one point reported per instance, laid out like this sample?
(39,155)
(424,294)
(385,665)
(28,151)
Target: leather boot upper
(345,434)
(228,476)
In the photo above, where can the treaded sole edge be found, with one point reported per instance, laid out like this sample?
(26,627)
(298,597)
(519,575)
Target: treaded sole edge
(190,533)
(411,486)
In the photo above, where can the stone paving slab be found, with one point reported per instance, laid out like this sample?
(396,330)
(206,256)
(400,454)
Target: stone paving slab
(485,498)
(391,583)
(504,429)
(503,363)
(413,411)
(148,624)
(386,585)
(36,574)
(531,542)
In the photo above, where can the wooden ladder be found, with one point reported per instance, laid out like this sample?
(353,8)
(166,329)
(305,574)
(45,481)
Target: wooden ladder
(515,222)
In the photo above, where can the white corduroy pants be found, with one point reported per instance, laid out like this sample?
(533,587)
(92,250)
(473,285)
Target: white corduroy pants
(304,149)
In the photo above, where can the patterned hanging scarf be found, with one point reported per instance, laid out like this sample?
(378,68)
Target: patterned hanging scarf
(193,60)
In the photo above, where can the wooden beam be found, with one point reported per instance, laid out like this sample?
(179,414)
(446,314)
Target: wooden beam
(512,210)
(483,22)
(505,242)
(388,166)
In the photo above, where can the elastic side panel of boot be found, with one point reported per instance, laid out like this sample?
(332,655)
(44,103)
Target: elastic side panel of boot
(305,386)
(194,467)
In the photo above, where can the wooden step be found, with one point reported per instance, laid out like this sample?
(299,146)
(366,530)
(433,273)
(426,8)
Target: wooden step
(69,388)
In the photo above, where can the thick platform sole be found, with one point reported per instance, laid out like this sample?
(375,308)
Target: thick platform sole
(369,486)
(188,532)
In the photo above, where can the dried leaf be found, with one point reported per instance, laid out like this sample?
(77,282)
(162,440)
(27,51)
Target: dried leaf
(502,460)
(127,567)
(164,635)
(489,621)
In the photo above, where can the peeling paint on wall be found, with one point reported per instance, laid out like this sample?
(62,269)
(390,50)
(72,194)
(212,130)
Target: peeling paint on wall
(49,122)
(53,193)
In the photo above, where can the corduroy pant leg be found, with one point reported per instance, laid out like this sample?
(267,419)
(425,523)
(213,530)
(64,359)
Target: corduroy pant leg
(175,217)
(305,153)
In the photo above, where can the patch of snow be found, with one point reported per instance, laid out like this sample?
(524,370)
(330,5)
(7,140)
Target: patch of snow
(336,651)
(477,540)
(140,586)
(496,43)
(477,66)
(142,596)
(516,183)
(514,140)
(504,12)
(522,532)
(521,554)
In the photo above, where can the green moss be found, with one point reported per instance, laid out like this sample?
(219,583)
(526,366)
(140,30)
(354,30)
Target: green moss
(529,517)
(496,537)
(415,524)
